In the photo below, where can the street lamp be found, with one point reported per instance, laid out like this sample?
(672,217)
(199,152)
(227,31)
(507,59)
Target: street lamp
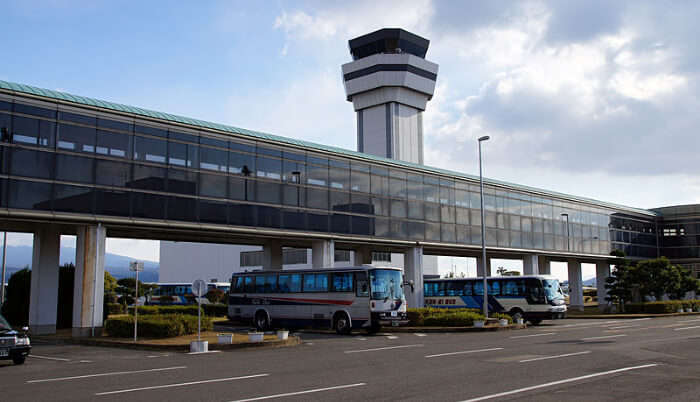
(568,243)
(483,230)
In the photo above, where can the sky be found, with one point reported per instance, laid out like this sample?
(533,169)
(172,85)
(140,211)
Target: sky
(592,98)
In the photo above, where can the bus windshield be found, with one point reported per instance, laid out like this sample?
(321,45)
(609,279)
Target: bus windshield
(552,289)
(386,284)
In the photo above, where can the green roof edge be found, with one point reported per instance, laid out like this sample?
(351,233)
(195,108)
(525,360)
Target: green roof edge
(83,100)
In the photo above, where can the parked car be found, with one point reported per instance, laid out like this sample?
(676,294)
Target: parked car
(13,344)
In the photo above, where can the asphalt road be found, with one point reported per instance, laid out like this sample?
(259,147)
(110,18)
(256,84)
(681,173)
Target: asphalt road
(591,360)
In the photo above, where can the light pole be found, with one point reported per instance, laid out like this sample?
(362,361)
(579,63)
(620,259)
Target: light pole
(483,230)
(4,260)
(568,242)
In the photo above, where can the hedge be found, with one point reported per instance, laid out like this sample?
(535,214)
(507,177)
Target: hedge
(502,316)
(149,310)
(156,326)
(661,307)
(429,316)
(216,310)
(115,308)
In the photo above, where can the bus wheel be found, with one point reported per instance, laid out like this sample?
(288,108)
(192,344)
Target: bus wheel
(341,324)
(261,322)
(516,314)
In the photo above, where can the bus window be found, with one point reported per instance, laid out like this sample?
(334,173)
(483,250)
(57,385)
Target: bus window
(454,288)
(270,283)
(441,289)
(494,288)
(534,290)
(479,288)
(259,284)
(467,289)
(362,286)
(249,284)
(430,289)
(238,285)
(514,287)
(315,282)
(342,282)
(290,283)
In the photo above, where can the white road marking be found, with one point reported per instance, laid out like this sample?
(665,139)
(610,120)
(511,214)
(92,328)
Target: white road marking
(684,321)
(602,337)
(361,339)
(181,384)
(529,336)
(624,326)
(554,357)
(385,348)
(309,391)
(421,334)
(683,329)
(464,352)
(553,383)
(201,353)
(105,374)
(641,319)
(60,359)
(392,337)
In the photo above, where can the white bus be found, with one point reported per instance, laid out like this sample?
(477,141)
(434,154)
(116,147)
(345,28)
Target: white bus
(533,298)
(342,299)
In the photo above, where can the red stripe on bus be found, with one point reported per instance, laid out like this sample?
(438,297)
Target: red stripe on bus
(322,301)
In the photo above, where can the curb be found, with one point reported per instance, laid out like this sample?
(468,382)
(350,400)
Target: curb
(291,341)
(629,316)
(490,328)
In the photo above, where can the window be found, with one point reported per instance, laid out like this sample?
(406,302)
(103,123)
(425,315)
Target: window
(266,283)
(110,173)
(29,195)
(494,288)
(158,132)
(294,256)
(317,175)
(213,159)
(113,144)
(251,258)
(249,286)
(241,164)
(114,125)
(362,287)
(184,155)
(514,287)
(150,149)
(75,138)
(381,256)
(342,282)
(454,288)
(359,181)
(269,168)
(148,178)
(212,185)
(74,168)
(32,163)
(467,288)
(33,131)
(315,282)
(289,283)
(37,111)
(237,285)
(341,256)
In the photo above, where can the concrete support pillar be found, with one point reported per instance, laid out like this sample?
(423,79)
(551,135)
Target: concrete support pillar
(322,254)
(44,284)
(413,271)
(543,265)
(363,255)
(480,267)
(272,259)
(575,285)
(602,272)
(530,264)
(89,283)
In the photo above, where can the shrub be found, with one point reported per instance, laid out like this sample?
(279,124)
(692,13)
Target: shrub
(16,306)
(115,308)
(216,310)
(149,310)
(156,326)
(215,296)
(657,307)
(452,319)
(502,316)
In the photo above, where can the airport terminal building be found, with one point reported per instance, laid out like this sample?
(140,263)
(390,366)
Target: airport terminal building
(76,165)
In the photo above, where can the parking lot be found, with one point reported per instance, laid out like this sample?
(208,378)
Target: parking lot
(639,359)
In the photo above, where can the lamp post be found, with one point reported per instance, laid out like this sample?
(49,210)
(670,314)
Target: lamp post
(483,230)
(297,180)
(4,260)
(568,242)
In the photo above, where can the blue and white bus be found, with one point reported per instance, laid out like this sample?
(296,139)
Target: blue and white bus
(181,293)
(533,298)
(342,299)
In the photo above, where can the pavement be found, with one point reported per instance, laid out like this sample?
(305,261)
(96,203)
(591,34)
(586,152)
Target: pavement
(592,360)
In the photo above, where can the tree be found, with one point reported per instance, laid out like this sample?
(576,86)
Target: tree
(215,295)
(619,284)
(16,306)
(126,287)
(66,280)
(501,271)
(658,277)
(687,283)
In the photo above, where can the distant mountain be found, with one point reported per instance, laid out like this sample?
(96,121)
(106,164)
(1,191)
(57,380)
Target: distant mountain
(19,257)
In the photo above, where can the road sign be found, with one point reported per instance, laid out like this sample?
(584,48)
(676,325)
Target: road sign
(199,288)
(136,266)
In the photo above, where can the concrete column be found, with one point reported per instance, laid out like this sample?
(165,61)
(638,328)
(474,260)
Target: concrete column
(413,271)
(575,285)
(322,254)
(530,264)
(602,272)
(543,265)
(89,283)
(272,259)
(480,267)
(43,296)
(363,255)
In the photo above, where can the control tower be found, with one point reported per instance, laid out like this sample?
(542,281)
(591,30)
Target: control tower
(389,82)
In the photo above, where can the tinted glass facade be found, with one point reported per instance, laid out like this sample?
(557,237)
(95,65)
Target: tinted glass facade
(99,164)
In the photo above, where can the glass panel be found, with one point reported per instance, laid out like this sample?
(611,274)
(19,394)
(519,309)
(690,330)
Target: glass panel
(339,178)
(113,144)
(269,217)
(315,282)
(212,185)
(32,163)
(360,181)
(245,215)
(432,232)
(269,168)
(362,225)
(75,138)
(213,159)
(182,181)
(150,149)
(110,173)
(290,283)
(269,192)
(342,282)
(112,203)
(340,201)
(115,125)
(35,110)
(29,195)
(33,131)
(340,223)
(317,222)
(182,209)
(241,189)
(448,233)
(317,198)
(242,164)
(77,118)
(398,208)
(148,206)
(416,230)
(148,178)
(380,206)
(213,212)
(294,220)
(432,211)
(74,168)
(184,155)
(75,199)
(158,132)
(415,210)
(317,175)
(292,172)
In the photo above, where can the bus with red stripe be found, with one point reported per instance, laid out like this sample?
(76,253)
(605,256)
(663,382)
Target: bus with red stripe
(342,299)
